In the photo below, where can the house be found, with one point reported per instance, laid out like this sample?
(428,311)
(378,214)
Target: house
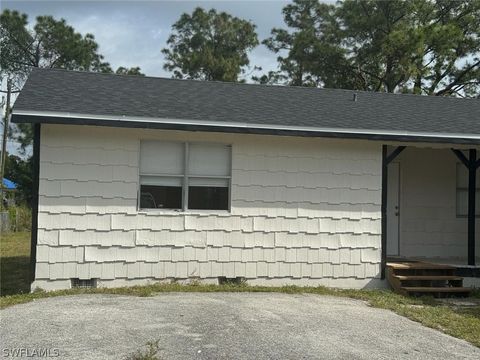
(8,190)
(143,179)
(7,199)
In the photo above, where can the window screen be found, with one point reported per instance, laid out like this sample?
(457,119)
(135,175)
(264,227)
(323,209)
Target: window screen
(184,176)
(462,192)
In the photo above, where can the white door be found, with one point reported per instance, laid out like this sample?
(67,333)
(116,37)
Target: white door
(393,209)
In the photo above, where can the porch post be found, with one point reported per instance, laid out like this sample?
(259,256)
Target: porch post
(386,159)
(472,182)
(472,164)
(36,179)
(384,210)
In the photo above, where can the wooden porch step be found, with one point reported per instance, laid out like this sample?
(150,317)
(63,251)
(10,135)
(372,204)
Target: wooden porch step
(423,278)
(436,289)
(418,265)
(427,277)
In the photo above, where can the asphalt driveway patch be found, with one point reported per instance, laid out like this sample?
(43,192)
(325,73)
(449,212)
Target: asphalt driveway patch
(222,325)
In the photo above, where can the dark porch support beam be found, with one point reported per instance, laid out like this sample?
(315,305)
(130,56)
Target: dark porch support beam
(472,192)
(472,164)
(386,159)
(461,156)
(36,178)
(384,210)
(395,153)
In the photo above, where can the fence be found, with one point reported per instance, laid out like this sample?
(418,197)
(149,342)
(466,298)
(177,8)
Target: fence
(4,221)
(17,218)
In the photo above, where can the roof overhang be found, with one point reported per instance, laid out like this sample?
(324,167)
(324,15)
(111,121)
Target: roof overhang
(48,117)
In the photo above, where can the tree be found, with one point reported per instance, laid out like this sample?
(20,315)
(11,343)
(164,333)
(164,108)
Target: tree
(209,46)
(51,44)
(381,42)
(418,46)
(449,60)
(20,172)
(310,54)
(129,71)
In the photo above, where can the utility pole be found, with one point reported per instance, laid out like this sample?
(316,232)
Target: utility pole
(4,142)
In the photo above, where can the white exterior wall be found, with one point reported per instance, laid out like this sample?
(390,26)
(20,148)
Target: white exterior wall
(429,226)
(303,211)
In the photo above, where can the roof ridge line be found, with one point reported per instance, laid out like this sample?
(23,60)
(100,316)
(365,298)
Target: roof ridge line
(277,86)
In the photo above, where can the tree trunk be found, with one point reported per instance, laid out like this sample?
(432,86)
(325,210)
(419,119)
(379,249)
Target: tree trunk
(5,137)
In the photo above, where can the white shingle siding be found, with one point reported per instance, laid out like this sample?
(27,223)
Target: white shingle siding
(303,211)
(429,225)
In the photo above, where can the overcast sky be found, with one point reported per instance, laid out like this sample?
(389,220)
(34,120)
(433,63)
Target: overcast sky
(132,33)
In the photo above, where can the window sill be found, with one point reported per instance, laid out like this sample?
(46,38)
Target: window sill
(182,212)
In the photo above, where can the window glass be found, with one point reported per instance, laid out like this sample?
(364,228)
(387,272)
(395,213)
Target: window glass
(161,180)
(208,193)
(160,197)
(215,182)
(209,160)
(462,202)
(159,157)
(462,192)
(462,177)
(207,198)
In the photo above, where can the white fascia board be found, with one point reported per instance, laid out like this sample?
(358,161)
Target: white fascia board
(153,120)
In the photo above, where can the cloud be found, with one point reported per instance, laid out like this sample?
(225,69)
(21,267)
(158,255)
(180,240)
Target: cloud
(133,33)
(157,33)
(125,41)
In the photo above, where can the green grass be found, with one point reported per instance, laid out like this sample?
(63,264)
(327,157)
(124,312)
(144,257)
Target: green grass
(14,263)
(150,353)
(461,322)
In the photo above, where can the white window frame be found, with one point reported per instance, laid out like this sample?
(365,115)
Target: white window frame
(464,189)
(185,181)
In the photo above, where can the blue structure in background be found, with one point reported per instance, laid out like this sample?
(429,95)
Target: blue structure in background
(9,184)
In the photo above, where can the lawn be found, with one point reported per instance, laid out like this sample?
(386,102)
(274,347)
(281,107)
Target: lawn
(14,263)
(458,321)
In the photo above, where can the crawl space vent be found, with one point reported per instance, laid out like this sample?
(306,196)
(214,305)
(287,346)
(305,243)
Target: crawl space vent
(222,280)
(84,284)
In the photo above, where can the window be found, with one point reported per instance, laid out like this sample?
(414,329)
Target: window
(161,174)
(208,176)
(462,192)
(184,176)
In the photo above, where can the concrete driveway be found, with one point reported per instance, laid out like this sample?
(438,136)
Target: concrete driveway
(222,325)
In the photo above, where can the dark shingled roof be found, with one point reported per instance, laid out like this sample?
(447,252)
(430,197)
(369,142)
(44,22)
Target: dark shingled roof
(272,107)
